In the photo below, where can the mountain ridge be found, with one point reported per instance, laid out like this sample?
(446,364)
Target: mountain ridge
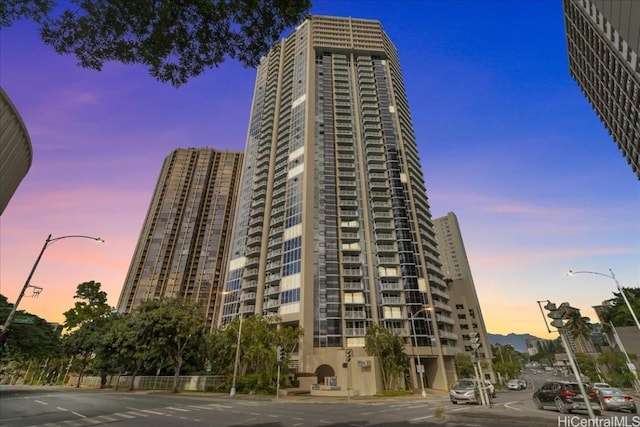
(517,341)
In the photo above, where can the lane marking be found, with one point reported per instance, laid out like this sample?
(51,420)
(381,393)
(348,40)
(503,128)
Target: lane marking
(124,415)
(421,418)
(149,411)
(173,408)
(216,405)
(78,415)
(41,402)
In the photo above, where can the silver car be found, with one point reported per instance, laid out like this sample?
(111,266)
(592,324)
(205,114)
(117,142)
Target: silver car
(614,399)
(464,390)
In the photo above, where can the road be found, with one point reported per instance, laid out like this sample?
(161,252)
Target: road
(69,407)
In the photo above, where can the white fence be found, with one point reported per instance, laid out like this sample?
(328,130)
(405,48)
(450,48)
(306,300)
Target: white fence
(185,383)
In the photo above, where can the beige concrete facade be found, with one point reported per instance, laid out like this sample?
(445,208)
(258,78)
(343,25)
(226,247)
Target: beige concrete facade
(464,298)
(16,152)
(333,231)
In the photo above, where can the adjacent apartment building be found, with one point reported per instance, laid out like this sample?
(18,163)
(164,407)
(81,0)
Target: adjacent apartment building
(333,231)
(16,152)
(182,248)
(464,297)
(603,40)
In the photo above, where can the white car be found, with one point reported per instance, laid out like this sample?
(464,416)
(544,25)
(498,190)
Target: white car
(516,385)
(601,385)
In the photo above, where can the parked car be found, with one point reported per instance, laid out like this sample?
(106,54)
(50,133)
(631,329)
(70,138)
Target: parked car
(565,396)
(614,399)
(601,385)
(464,390)
(516,385)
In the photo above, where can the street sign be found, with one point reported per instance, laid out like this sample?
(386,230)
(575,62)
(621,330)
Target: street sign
(24,319)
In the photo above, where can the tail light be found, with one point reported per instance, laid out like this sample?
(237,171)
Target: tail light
(567,393)
(607,397)
(593,394)
(628,398)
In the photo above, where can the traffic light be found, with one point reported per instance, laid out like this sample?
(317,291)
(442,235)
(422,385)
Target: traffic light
(348,354)
(280,353)
(557,314)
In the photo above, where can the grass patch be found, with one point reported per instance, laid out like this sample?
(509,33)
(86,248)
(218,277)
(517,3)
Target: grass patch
(438,412)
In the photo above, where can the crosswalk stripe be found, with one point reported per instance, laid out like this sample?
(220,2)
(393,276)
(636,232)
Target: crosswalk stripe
(124,415)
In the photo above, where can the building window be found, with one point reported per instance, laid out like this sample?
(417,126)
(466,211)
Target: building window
(290,296)
(291,256)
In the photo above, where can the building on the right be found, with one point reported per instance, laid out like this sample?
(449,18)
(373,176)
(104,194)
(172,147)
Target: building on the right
(603,40)
(468,315)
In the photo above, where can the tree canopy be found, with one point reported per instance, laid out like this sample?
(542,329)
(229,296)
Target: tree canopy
(175,40)
(617,310)
(92,305)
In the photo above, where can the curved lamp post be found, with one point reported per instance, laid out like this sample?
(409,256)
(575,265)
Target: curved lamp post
(33,269)
(415,345)
(232,392)
(613,277)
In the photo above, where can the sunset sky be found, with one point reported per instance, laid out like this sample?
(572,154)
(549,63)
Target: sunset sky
(507,141)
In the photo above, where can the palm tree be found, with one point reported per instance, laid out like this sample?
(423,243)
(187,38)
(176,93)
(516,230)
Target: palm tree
(388,347)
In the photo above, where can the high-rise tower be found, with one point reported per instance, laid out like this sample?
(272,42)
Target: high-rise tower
(333,231)
(464,298)
(603,39)
(182,248)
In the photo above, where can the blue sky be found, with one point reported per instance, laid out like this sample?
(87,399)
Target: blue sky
(506,138)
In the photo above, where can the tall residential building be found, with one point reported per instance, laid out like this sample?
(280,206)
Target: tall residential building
(603,39)
(16,152)
(464,298)
(333,231)
(182,250)
(579,343)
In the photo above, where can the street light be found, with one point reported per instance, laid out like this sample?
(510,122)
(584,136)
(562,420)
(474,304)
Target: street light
(237,361)
(415,341)
(27,283)
(613,276)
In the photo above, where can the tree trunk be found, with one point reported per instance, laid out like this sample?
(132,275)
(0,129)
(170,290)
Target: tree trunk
(133,377)
(83,366)
(176,376)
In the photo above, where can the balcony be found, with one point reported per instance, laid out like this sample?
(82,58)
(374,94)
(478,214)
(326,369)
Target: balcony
(351,272)
(392,301)
(356,332)
(248,296)
(390,287)
(352,286)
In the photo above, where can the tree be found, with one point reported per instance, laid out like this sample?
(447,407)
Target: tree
(617,372)
(25,341)
(464,365)
(171,326)
(89,319)
(92,305)
(578,326)
(12,10)
(176,40)
(506,360)
(617,310)
(388,347)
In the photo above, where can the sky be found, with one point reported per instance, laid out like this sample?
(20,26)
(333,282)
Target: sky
(506,138)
